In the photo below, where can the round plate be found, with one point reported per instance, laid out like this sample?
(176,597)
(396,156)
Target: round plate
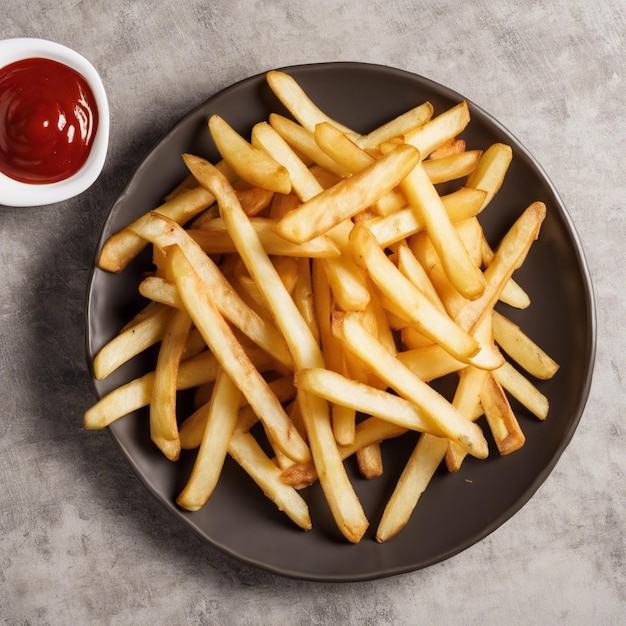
(457,510)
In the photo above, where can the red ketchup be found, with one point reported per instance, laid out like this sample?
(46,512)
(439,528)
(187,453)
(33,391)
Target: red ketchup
(48,120)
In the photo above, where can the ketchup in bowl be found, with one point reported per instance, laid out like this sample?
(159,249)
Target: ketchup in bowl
(48,120)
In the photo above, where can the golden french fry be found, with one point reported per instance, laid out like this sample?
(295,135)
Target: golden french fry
(362,397)
(346,282)
(221,419)
(137,393)
(449,148)
(298,103)
(444,169)
(348,197)
(370,461)
(512,294)
(522,349)
(302,141)
(131,341)
(253,165)
(522,390)
(398,126)
(467,401)
(302,295)
(500,416)
(415,477)
(509,256)
(430,362)
(412,269)
(161,291)
(163,424)
(440,129)
(422,196)
(490,171)
(341,148)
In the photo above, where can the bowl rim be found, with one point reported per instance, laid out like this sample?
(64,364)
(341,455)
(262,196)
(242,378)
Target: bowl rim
(18,194)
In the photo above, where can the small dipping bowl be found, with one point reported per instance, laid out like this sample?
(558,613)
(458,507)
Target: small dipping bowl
(26,194)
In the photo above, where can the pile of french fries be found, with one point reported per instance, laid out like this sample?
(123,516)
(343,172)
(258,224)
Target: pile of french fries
(309,287)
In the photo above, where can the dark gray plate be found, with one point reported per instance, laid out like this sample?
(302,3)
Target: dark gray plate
(457,510)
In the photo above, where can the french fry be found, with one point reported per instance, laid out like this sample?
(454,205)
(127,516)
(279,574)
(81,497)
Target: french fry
(500,416)
(302,141)
(304,184)
(466,277)
(221,419)
(364,398)
(346,282)
(398,126)
(401,224)
(509,256)
(245,449)
(341,148)
(522,390)
(131,341)
(303,296)
(415,477)
(253,165)
(522,349)
(451,147)
(430,362)
(348,197)
(412,269)
(370,461)
(490,171)
(163,425)
(512,294)
(467,401)
(440,129)
(447,168)
(298,103)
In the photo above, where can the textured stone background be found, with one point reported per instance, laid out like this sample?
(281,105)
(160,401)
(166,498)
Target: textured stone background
(80,539)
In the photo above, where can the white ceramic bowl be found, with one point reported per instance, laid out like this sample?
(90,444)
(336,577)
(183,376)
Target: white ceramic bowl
(18,194)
